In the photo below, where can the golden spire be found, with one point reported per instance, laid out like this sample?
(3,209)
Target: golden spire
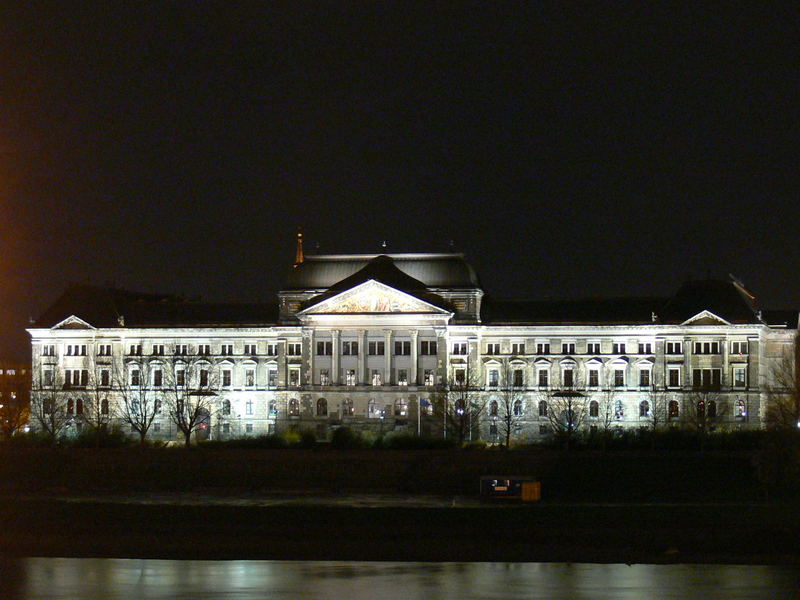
(298,257)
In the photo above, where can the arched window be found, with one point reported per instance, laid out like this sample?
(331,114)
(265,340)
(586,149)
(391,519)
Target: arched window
(741,409)
(594,409)
(701,410)
(372,409)
(712,409)
(674,410)
(517,408)
(347,407)
(70,407)
(104,406)
(273,408)
(226,407)
(322,407)
(79,406)
(294,407)
(619,410)
(543,408)
(459,406)
(493,408)
(644,408)
(400,407)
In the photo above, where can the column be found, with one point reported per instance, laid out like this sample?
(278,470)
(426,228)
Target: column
(414,370)
(441,356)
(282,363)
(362,357)
(387,336)
(335,334)
(308,342)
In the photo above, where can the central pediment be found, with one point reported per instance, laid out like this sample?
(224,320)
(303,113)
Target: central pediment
(373,297)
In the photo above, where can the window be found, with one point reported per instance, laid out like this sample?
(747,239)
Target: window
(226,428)
(741,409)
(544,430)
(494,378)
(427,348)
(593,348)
(672,409)
(376,348)
(70,407)
(543,378)
(492,349)
(402,377)
(645,348)
(739,377)
(619,377)
(104,406)
(105,378)
(347,407)
(294,407)
(517,408)
(568,377)
(542,348)
(518,378)
(518,348)
(428,377)
(594,409)
(674,376)
(204,349)
(226,377)
(350,377)
(738,347)
(706,378)
(157,406)
(135,350)
(181,349)
(619,410)
(248,428)
(493,429)
(324,377)
(226,407)
(460,348)
(272,409)
(135,377)
(402,348)
(376,377)
(48,350)
(180,377)
(493,406)
(644,377)
(226,349)
(203,377)
(706,347)
(324,348)
(272,350)
(349,348)
(79,406)
(104,350)
(250,377)
(272,377)
(568,348)
(76,378)
(460,376)
(543,408)
(322,407)
(250,350)
(158,377)
(76,350)
(400,407)
(158,349)
(294,349)
(618,348)
(644,408)
(712,409)
(594,377)
(372,409)
(294,377)
(248,407)
(674,348)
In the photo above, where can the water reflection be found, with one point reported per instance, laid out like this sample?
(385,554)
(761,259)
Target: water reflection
(135,579)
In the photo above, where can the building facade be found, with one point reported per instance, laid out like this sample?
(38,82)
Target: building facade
(407,343)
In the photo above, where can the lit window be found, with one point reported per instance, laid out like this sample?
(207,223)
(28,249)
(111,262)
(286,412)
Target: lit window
(402,377)
(347,407)
(324,377)
(350,377)
(428,378)
(376,377)
(401,407)
(294,407)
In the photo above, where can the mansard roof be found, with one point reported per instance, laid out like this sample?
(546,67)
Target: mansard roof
(432,270)
(110,307)
(567,311)
(726,299)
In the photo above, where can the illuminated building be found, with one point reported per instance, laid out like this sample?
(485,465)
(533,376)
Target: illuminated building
(381,343)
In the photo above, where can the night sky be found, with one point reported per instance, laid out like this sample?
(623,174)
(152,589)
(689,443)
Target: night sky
(177,148)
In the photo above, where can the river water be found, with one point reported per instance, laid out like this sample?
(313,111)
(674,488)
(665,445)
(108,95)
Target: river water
(144,579)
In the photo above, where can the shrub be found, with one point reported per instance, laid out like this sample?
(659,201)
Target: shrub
(345,438)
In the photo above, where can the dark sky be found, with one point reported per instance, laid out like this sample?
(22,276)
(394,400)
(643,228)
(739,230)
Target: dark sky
(579,153)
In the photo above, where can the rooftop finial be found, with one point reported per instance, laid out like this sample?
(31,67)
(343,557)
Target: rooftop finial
(298,256)
(383,244)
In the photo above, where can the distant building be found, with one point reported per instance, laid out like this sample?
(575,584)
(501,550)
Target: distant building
(15,386)
(412,343)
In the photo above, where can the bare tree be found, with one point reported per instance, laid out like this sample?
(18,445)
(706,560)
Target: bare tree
(190,390)
(566,411)
(459,406)
(604,414)
(48,406)
(15,388)
(139,394)
(508,409)
(783,393)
